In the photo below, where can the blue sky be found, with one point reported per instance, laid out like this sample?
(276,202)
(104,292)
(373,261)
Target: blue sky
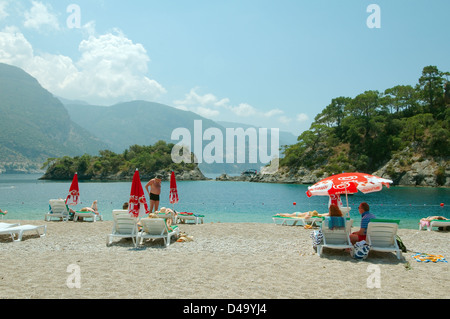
(260,62)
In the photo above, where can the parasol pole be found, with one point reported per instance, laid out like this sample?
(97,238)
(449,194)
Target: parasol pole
(346,198)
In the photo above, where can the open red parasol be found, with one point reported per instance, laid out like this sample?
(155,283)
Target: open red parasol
(348,183)
(74,192)
(137,206)
(173,196)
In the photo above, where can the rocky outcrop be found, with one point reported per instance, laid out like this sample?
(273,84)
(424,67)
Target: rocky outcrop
(403,171)
(423,172)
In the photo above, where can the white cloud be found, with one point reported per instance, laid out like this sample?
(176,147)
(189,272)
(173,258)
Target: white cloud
(111,68)
(3,13)
(39,17)
(302,117)
(210,106)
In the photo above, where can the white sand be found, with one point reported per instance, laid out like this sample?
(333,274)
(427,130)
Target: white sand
(224,261)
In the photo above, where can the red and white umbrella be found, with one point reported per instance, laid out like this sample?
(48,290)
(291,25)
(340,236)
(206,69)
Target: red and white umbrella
(74,192)
(348,183)
(173,196)
(137,206)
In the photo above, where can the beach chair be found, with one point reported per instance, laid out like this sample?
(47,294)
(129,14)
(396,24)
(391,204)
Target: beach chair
(82,214)
(19,230)
(124,226)
(57,209)
(336,238)
(381,236)
(292,221)
(184,217)
(7,225)
(154,228)
(434,223)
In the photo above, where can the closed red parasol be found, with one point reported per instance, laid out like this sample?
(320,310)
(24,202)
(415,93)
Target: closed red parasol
(137,206)
(74,192)
(173,196)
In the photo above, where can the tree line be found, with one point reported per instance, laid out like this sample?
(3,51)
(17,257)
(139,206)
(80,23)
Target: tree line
(364,132)
(148,159)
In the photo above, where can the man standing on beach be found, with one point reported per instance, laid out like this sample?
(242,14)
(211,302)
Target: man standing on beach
(155,191)
(366,216)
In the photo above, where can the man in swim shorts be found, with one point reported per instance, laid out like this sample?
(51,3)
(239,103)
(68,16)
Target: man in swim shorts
(155,191)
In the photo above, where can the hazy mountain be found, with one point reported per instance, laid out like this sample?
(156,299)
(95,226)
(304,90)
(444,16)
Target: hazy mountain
(34,125)
(286,138)
(136,122)
(145,123)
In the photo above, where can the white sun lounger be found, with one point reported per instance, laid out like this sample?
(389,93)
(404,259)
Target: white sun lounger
(58,209)
(336,238)
(7,225)
(381,236)
(19,230)
(154,228)
(292,221)
(125,226)
(434,223)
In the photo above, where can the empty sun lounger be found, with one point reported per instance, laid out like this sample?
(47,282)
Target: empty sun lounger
(19,230)
(125,226)
(58,209)
(7,225)
(381,236)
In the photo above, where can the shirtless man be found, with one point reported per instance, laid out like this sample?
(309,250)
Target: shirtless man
(155,191)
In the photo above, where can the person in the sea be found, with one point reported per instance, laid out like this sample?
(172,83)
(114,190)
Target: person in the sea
(366,216)
(3,212)
(154,192)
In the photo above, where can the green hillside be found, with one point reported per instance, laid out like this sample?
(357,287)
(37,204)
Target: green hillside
(365,132)
(34,125)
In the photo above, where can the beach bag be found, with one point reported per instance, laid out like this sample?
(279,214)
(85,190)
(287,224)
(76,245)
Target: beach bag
(400,244)
(317,238)
(360,250)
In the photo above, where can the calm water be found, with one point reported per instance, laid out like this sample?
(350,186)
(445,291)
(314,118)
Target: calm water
(26,198)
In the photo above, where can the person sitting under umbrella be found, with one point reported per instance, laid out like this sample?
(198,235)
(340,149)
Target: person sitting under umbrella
(366,216)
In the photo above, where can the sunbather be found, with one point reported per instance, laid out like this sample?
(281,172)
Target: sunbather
(430,218)
(93,208)
(302,215)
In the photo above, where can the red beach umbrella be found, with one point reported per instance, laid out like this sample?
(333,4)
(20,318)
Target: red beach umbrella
(173,196)
(348,183)
(74,192)
(138,204)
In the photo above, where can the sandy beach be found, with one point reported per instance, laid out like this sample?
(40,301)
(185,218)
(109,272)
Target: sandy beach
(223,261)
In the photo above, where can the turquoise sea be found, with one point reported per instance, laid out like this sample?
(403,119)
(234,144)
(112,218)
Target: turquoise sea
(25,197)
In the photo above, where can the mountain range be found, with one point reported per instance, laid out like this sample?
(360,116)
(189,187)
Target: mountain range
(35,125)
